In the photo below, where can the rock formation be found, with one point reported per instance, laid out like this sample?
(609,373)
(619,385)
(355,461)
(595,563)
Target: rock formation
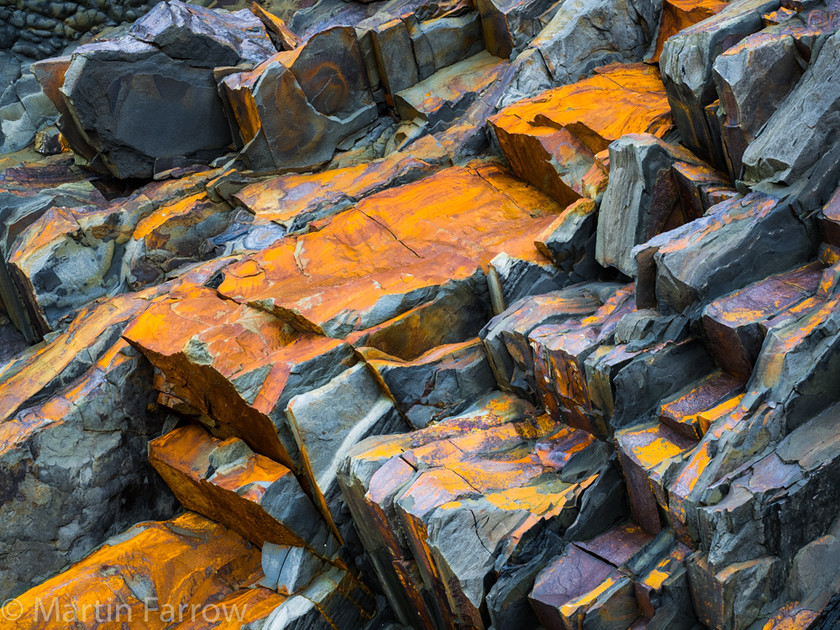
(366,316)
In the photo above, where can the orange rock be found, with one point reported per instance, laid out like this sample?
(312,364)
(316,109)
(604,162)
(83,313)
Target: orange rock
(551,140)
(236,365)
(680,14)
(294,200)
(251,494)
(145,576)
(393,250)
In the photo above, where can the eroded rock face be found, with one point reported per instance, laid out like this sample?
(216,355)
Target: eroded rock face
(392,380)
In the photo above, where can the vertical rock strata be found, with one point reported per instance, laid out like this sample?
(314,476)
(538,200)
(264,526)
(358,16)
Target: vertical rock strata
(348,315)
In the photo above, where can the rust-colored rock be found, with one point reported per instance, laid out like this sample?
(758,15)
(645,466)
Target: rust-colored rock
(680,14)
(254,496)
(551,140)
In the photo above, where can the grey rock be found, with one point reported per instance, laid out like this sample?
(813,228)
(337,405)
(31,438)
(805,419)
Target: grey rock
(802,129)
(687,63)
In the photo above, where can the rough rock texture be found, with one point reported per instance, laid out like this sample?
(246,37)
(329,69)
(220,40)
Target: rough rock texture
(426,316)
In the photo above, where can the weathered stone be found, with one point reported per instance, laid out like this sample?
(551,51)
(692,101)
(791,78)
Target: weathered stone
(684,412)
(735,325)
(328,421)
(686,264)
(805,129)
(830,220)
(169,81)
(678,15)
(755,76)
(551,140)
(686,64)
(442,41)
(642,198)
(510,26)
(70,256)
(506,335)
(394,250)
(236,366)
(153,570)
(437,384)
(446,94)
(293,109)
(559,352)
(259,499)
(570,240)
(584,35)
(74,468)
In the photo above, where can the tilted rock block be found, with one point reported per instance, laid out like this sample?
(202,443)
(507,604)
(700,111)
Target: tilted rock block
(551,140)
(735,325)
(146,573)
(643,197)
(294,108)
(440,98)
(627,384)
(686,265)
(575,42)
(236,366)
(395,62)
(650,456)
(441,41)
(510,26)
(678,15)
(686,64)
(71,256)
(805,130)
(584,588)
(731,598)
(506,335)
(295,200)
(74,468)
(830,220)
(395,250)
(163,102)
(559,352)
(438,383)
(27,194)
(570,240)
(684,413)
(254,496)
(328,421)
(755,76)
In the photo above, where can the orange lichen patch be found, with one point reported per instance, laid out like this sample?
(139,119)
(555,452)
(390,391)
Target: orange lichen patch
(792,616)
(735,325)
(649,587)
(291,199)
(398,245)
(680,14)
(233,493)
(551,140)
(682,413)
(144,576)
(722,418)
(650,456)
(786,336)
(233,363)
